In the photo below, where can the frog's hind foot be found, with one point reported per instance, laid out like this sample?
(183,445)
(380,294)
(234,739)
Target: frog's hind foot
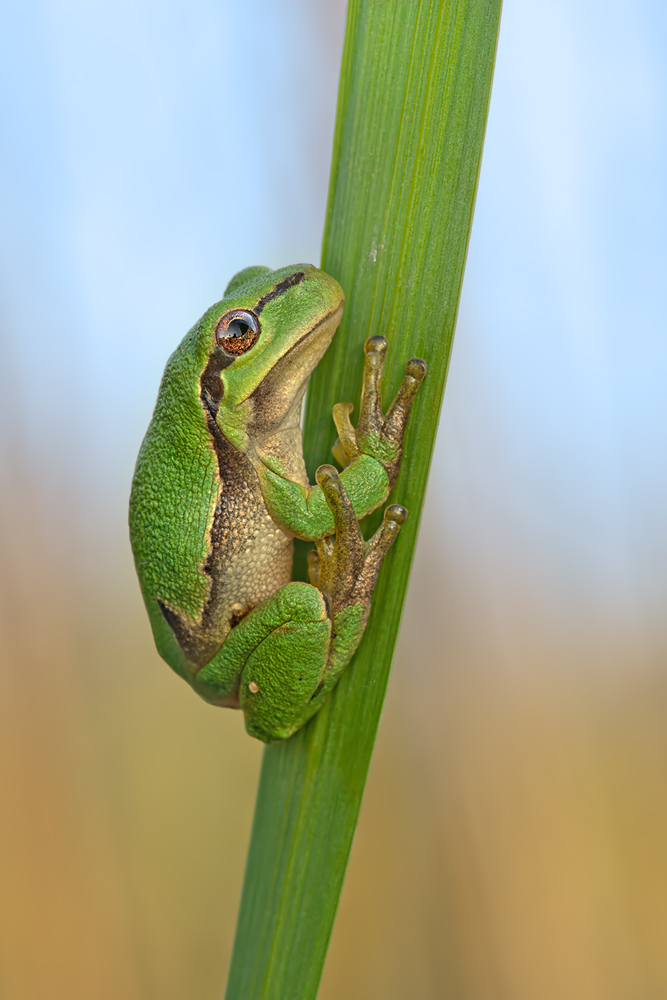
(376,549)
(346,568)
(375,434)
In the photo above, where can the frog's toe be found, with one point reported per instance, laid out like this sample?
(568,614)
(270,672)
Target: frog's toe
(376,345)
(396,513)
(339,563)
(370,408)
(314,568)
(346,447)
(326,474)
(329,481)
(416,368)
(376,549)
(399,411)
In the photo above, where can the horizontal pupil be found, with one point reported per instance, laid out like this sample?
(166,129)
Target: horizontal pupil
(235,335)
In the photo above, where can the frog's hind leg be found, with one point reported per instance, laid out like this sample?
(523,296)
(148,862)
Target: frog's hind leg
(290,651)
(279,651)
(347,570)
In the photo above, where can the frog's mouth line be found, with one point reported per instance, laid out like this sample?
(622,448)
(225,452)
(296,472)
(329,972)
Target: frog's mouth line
(282,389)
(307,337)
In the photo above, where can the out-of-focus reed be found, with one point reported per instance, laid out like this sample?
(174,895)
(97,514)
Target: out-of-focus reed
(125,804)
(511,842)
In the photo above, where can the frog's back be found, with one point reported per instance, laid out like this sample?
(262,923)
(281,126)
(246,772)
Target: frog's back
(168,529)
(205,547)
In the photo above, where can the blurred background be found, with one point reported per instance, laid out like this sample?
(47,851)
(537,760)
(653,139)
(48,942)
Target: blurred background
(513,839)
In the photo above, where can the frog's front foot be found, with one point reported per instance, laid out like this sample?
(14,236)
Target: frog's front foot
(377,435)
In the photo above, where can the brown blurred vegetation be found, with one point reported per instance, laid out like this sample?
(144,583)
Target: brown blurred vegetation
(512,840)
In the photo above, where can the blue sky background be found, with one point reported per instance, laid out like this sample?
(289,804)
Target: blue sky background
(151,150)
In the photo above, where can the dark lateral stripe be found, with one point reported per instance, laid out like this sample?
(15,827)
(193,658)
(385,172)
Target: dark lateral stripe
(182,634)
(278,289)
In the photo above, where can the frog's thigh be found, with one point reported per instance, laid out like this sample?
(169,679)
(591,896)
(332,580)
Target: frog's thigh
(280,650)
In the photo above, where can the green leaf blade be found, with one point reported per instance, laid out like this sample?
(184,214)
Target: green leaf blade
(413,100)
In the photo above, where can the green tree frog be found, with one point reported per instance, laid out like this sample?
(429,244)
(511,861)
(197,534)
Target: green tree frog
(220,490)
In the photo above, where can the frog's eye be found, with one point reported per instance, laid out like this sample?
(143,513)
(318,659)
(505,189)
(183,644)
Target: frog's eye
(237,332)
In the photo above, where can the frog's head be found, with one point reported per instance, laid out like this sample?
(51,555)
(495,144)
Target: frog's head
(261,344)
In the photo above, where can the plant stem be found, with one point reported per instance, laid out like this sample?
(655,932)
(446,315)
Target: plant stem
(413,99)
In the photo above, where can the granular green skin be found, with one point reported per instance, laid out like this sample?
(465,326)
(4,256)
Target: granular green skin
(175,487)
(220,491)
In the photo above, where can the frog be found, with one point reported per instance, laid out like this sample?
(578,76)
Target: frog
(220,491)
